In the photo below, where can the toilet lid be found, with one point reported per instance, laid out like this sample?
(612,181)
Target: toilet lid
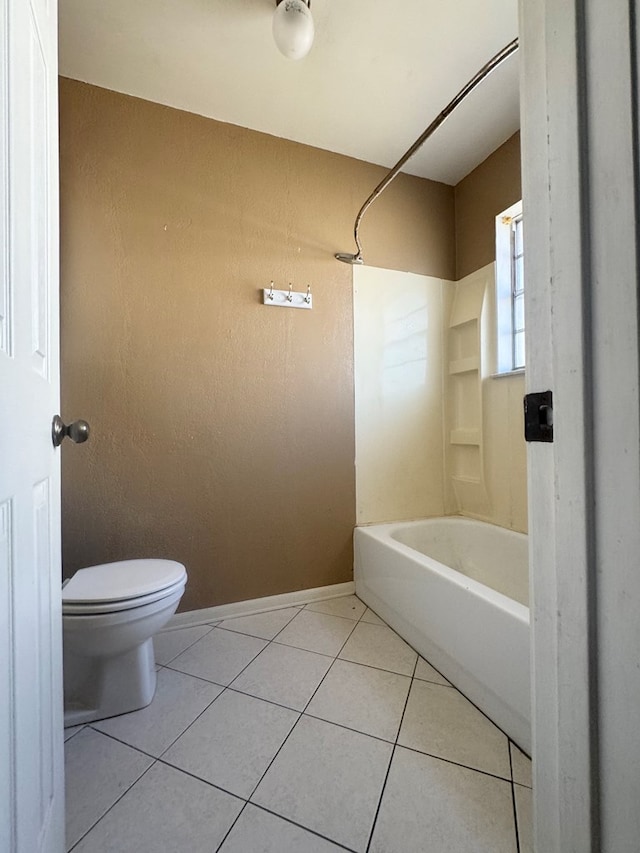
(122,581)
(93,608)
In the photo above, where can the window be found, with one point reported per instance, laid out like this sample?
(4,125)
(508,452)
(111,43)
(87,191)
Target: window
(510,289)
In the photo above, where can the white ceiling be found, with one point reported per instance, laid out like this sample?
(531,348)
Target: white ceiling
(377,75)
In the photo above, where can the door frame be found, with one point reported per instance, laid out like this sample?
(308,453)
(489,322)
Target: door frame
(579,102)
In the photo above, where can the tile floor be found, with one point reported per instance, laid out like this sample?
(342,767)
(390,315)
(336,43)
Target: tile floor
(308,729)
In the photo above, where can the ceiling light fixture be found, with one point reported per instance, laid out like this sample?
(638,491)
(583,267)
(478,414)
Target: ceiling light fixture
(293,28)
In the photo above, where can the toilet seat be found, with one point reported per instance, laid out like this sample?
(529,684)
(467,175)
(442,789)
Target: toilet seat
(114,587)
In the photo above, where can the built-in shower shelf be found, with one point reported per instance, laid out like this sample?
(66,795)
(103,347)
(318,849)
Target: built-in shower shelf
(466,481)
(471,437)
(463,319)
(464,365)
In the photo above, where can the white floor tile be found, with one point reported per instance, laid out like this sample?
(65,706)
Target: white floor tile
(258,831)
(425,672)
(520,766)
(178,701)
(524,812)
(232,743)
(320,775)
(378,645)
(372,618)
(264,625)
(284,674)
(430,804)
(317,632)
(363,698)
(169,644)
(98,770)
(440,721)
(348,606)
(165,811)
(328,779)
(219,656)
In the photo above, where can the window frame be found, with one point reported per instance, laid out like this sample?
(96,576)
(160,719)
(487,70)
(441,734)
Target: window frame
(509,289)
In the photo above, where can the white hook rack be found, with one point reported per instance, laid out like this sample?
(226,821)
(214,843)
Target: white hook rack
(287,298)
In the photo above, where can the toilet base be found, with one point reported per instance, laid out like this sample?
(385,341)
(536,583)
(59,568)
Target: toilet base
(99,687)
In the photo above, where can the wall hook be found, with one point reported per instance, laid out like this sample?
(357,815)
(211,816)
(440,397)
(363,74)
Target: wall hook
(287,298)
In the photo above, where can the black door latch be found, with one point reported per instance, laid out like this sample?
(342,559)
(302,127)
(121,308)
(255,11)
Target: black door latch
(538,416)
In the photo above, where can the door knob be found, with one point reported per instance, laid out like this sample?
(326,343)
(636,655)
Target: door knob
(78,431)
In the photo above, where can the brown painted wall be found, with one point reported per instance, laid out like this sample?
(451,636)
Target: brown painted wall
(493,186)
(223,430)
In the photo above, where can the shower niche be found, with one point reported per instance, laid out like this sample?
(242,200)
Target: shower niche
(464,398)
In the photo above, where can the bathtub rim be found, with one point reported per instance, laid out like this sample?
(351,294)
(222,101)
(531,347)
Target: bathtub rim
(382,532)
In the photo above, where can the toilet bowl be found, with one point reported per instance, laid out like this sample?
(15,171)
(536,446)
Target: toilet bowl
(109,616)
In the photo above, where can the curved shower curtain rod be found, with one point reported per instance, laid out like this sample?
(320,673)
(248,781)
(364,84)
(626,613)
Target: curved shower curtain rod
(498,59)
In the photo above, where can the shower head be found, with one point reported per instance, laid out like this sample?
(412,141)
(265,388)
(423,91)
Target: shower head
(350,259)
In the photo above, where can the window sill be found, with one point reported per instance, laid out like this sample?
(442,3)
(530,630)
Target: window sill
(519,372)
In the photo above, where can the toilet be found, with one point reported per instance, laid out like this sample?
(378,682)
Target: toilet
(109,616)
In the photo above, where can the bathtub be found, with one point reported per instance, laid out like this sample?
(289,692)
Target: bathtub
(457,591)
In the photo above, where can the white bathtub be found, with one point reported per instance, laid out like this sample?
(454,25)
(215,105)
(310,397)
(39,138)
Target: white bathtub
(457,591)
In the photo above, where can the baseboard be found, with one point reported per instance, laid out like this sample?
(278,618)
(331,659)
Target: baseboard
(259,605)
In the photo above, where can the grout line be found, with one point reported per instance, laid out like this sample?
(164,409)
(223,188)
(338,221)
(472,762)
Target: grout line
(450,684)
(393,752)
(71,737)
(348,728)
(168,764)
(293,727)
(255,787)
(364,612)
(512,747)
(297,721)
(262,699)
(437,683)
(266,639)
(310,608)
(204,710)
(456,763)
(206,634)
(304,610)
(365,608)
(119,740)
(224,686)
(513,802)
(228,832)
(184,731)
(305,828)
(105,813)
(221,627)
(199,677)
(310,651)
(382,669)
(330,668)
(382,790)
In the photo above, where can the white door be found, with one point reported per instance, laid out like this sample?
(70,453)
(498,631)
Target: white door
(31,733)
